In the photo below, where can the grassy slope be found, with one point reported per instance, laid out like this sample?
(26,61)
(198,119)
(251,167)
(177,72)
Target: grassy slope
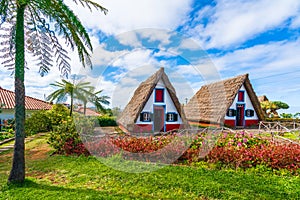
(60,177)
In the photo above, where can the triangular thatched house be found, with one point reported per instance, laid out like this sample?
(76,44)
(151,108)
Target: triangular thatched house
(231,102)
(154,107)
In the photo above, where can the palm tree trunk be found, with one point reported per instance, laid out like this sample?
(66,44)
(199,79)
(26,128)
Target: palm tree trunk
(71,106)
(17,173)
(84,107)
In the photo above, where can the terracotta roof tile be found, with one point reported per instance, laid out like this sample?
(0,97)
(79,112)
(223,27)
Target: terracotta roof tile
(7,97)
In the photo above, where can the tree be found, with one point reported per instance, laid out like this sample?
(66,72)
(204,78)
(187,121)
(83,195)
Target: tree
(75,91)
(97,100)
(297,115)
(270,107)
(27,20)
(286,115)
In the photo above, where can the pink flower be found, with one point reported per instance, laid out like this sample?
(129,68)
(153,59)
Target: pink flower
(239,144)
(245,140)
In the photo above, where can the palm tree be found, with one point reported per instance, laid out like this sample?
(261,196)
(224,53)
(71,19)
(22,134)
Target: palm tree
(74,91)
(27,20)
(97,100)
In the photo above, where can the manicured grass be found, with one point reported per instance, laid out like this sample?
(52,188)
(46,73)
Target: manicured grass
(61,177)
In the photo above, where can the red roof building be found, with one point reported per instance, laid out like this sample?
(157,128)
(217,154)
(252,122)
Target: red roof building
(7,98)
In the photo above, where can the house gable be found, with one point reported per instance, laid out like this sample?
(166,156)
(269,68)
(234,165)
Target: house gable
(140,102)
(212,102)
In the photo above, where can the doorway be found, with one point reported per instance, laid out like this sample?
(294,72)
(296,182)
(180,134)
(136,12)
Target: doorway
(240,115)
(159,119)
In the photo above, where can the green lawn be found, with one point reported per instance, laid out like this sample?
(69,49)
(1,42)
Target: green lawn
(60,177)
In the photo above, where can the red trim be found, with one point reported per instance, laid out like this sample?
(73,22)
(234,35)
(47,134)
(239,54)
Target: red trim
(253,122)
(230,123)
(142,128)
(173,126)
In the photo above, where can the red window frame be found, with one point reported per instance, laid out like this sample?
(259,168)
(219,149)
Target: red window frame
(241,96)
(159,95)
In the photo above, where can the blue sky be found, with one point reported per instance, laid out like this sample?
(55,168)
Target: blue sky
(196,41)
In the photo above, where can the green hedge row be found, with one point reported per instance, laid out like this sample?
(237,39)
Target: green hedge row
(107,121)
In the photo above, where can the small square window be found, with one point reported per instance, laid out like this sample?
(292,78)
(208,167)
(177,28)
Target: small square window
(172,117)
(249,113)
(145,117)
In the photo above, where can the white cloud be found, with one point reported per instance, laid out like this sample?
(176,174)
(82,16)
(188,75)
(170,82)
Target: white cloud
(129,15)
(272,58)
(234,22)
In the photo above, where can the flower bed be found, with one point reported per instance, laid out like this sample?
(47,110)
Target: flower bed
(240,150)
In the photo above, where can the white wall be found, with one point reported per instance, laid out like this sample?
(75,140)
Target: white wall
(248,105)
(169,105)
(10,113)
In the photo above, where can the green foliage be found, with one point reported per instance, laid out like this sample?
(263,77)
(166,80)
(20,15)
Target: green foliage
(44,121)
(286,115)
(66,136)
(6,135)
(107,121)
(57,114)
(37,122)
(61,133)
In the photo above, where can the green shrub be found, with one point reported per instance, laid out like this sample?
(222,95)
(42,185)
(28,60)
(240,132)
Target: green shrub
(6,135)
(37,122)
(57,114)
(65,137)
(107,121)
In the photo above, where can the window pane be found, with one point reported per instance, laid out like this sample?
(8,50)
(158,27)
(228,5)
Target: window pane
(159,95)
(241,96)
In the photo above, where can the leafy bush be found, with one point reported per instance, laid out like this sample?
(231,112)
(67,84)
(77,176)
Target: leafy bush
(107,121)
(276,156)
(37,122)
(65,137)
(6,135)
(57,114)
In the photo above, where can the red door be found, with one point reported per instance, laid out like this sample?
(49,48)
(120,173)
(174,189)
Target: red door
(159,119)
(240,114)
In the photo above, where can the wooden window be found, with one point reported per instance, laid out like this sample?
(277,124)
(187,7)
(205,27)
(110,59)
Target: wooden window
(241,96)
(145,117)
(172,117)
(249,113)
(159,95)
(231,113)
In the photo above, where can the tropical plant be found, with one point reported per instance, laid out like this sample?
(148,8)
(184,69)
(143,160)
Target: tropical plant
(97,100)
(297,115)
(270,107)
(26,24)
(74,91)
(286,115)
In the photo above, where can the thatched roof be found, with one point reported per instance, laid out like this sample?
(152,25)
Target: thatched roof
(212,101)
(141,95)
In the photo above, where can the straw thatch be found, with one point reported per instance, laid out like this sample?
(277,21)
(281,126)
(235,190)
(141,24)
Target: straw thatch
(212,101)
(141,95)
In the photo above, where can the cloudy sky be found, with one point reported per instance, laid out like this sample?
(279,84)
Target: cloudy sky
(196,41)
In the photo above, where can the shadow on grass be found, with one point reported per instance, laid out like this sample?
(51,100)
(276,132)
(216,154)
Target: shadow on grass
(31,189)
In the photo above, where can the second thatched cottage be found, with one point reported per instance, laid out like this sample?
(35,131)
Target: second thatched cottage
(231,102)
(154,107)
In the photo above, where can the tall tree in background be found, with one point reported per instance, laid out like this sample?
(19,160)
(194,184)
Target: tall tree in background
(26,27)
